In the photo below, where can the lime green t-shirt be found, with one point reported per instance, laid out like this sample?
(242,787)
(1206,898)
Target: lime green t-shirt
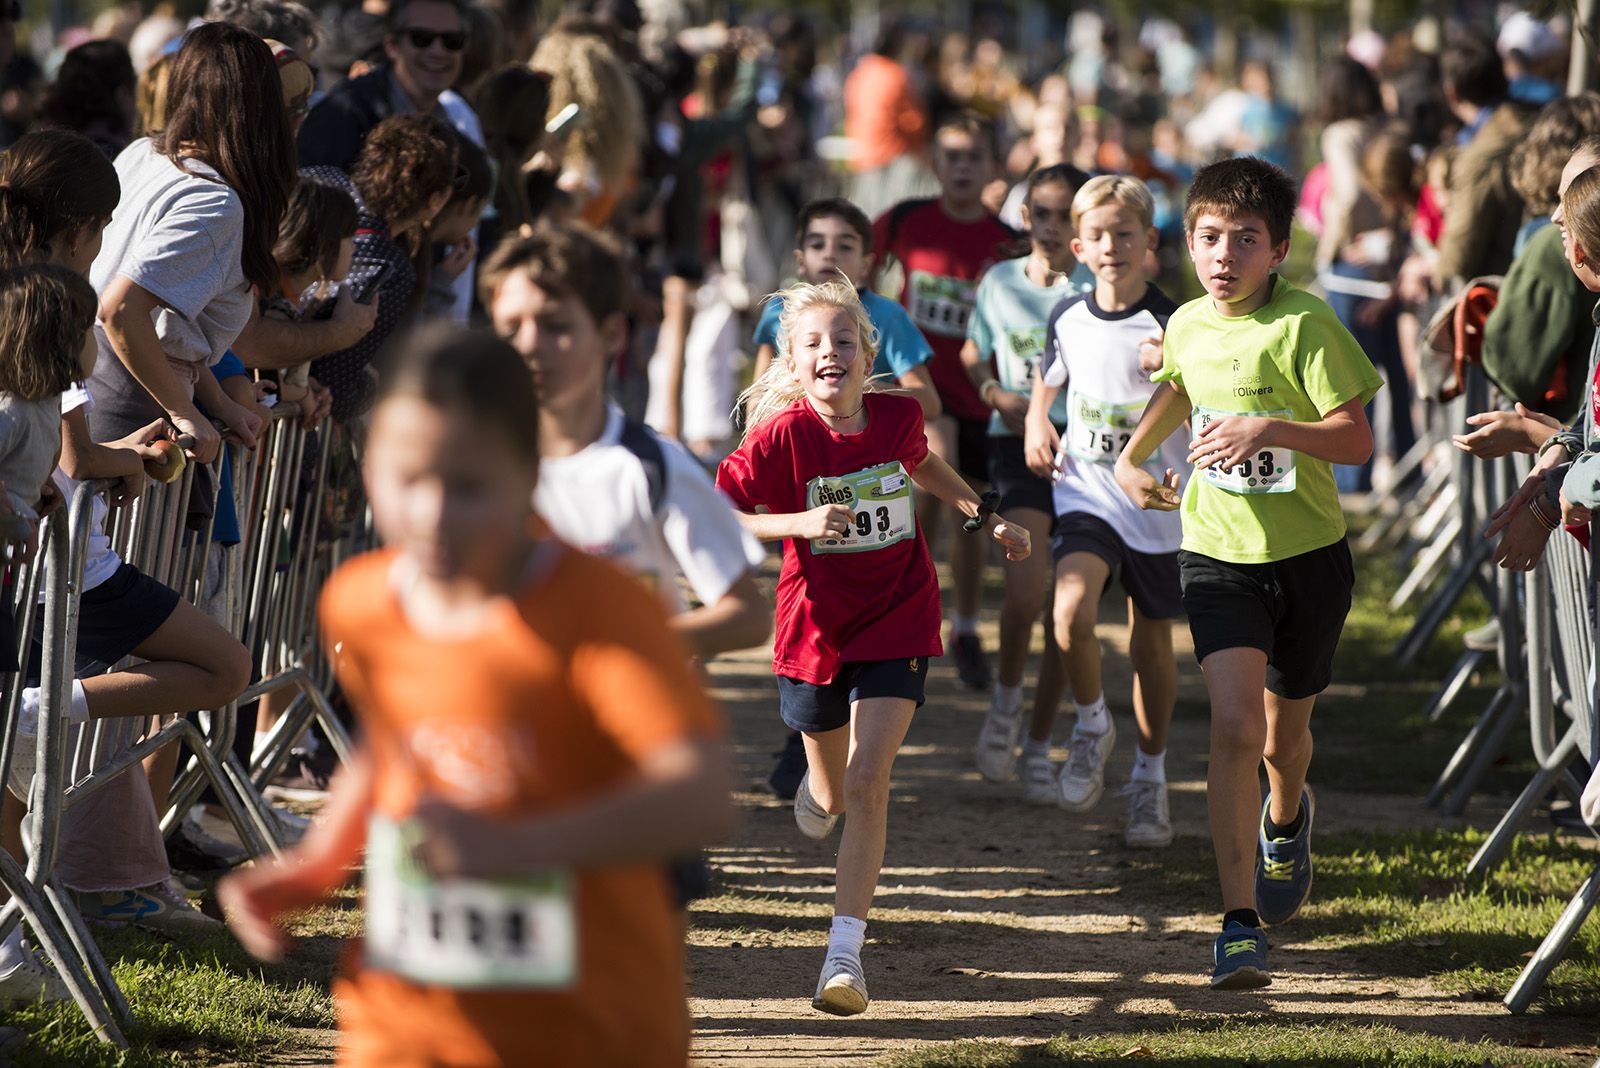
(1290,359)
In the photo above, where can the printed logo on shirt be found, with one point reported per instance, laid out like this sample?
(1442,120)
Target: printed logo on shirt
(940,305)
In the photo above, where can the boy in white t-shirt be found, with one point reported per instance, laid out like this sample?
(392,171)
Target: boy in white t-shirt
(608,486)
(1102,347)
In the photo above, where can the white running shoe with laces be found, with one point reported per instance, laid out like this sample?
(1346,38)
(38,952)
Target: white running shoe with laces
(1083,779)
(32,979)
(998,739)
(1039,774)
(813,820)
(1149,823)
(842,987)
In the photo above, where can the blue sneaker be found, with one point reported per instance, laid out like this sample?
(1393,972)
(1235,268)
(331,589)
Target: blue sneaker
(1241,959)
(1283,871)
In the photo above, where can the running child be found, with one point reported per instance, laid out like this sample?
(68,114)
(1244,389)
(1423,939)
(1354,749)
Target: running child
(534,746)
(944,245)
(828,467)
(834,237)
(1276,387)
(607,485)
(1101,349)
(1005,344)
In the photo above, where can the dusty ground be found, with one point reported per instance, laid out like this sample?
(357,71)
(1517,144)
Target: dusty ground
(1000,920)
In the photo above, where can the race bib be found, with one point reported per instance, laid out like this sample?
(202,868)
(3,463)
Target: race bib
(941,306)
(466,934)
(1097,431)
(1269,471)
(879,499)
(1026,347)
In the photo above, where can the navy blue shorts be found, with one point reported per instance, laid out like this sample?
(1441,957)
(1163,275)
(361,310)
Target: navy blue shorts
(114,619)
(1018,487)
(1150,579)
(814,709)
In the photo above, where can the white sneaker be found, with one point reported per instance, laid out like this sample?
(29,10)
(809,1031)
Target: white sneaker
(32,979)
(813,820)
(842,988)
(1083,779)
(998,739)
(291,827)
(1039,775)
(1149,824)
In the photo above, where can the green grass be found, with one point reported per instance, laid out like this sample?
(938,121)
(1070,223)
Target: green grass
(1234,1043)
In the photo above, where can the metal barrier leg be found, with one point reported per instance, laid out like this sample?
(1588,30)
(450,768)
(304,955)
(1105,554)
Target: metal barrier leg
(1494,744)
(1554,946)
(1476,738)
(1454,683)
(1494,849)
(77,932)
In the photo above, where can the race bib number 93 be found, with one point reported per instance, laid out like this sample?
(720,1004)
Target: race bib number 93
(879,499)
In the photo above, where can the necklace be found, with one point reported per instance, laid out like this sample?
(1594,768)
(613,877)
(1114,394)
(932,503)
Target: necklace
(852,415)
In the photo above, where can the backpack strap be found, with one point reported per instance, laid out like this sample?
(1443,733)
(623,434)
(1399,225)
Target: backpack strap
(652,456)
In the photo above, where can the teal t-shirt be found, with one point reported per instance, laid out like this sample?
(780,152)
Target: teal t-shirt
(1009,321)
(1290,359)
(901,346)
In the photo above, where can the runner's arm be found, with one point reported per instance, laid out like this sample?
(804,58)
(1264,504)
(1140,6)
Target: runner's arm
(918,383)
(945,483)
(1166,411)
(819,522)
(1040,441)
(1342,436)
(739,619)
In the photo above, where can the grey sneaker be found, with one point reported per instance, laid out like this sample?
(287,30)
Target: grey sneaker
(813,820)
(1039,774)
(1149,824)
(841,988)
(161,907)
(1083,779)
(32,979)
(998,738)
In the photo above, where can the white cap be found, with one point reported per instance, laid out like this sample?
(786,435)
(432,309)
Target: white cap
(1521,32)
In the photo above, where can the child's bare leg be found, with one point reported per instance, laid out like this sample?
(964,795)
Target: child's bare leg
(1080,579)
(191,663)
(968,554)
(877,726)
(1288,754)
(1236,680)
(1155,678)
(161,767)
(827,754)
(1027,589)
(1048,689)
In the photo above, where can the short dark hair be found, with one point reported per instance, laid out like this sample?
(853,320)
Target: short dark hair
(474,178)
(1347,90)
(563,258)
(319,218)
(834,208)
(1056,174)
(1244,185)
(1470,66)
(45,311)
(397,13)
(972,123)
(469,371)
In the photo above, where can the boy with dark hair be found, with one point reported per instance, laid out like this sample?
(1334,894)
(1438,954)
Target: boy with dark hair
(834,237)
(944,245)
(1276,387)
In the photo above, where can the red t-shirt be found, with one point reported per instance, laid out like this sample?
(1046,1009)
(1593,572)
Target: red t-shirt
(943,259)
(872,595)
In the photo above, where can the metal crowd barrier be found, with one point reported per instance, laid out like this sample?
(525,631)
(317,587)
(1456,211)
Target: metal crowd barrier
(282,563)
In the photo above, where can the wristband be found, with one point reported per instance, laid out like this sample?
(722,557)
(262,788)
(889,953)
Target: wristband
(986,506)
(1541,512)
(983,390)
(1565,439)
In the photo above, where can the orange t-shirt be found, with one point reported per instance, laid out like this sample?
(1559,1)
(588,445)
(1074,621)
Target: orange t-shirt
(881,112)
(554,700)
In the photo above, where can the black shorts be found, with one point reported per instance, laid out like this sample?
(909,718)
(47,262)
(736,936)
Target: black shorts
(1293,610)
(972,449)
(1151,579)
(1009,475)
(114,619)
(8,632)
(814,709)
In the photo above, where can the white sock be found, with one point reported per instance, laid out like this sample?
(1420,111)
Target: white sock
(960,624)
(1093,718)
(1008,697)
(1032,747)
(28,714)
(11,951)
(1147,768)
(846,937)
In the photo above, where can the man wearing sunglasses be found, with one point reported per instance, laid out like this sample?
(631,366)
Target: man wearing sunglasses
(423,45)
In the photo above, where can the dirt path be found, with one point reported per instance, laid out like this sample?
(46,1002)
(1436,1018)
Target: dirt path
(1000,920)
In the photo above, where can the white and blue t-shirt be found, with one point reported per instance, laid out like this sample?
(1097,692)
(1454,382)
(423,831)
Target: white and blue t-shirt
(1094,355)
(901,346)
(1008,322)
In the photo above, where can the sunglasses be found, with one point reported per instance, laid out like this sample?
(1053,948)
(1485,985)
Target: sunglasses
(454,41)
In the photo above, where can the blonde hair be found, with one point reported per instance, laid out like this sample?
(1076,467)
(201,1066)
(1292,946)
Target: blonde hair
(1130,192)
(776,389)
(1580,210)
(585,71)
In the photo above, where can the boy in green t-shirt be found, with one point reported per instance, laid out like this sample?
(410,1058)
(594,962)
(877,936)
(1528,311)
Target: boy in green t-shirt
(1276,387)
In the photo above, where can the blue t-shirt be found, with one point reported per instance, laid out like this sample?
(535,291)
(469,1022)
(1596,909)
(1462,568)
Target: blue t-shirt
(901,346)
(225,523)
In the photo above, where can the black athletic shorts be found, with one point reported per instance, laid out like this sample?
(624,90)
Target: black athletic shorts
(114,619)
(808,707)
(1151,579)
(1009,475)
(972,449)
(1293,610)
